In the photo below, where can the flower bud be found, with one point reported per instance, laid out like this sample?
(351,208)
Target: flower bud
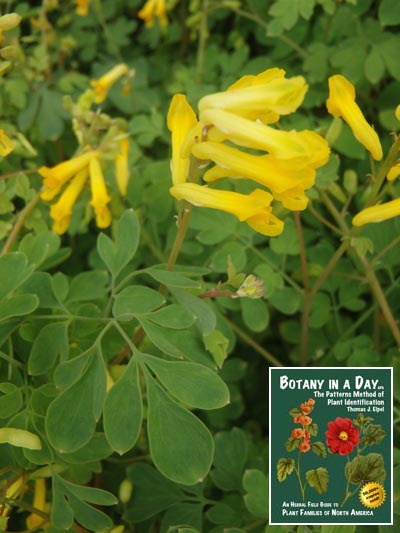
(350,181)
(251,288)
(125,491)
(20,438)
(9,21)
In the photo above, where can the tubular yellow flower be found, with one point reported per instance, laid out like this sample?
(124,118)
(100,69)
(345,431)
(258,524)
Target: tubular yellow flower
(377,213)
(397,112)
(341,103)
(33,521)
(307,147)
(254,208)
(55,177)
(151,9)
(100,197)
(102,85)
(286,183)
(82,7)
(6,144)
(61,211)
(180,120)
(394,172)
(122,166)
(280,95)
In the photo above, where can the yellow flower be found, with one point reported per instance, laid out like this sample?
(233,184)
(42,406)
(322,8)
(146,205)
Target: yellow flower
(6,144)
(102,85)
(180,120)
(151,9)
(272,93)
(282,179)
(55,177)
(34,521)
(307,147)
(82,7)
(100,197)
(394,172)
(122,166)
(253,208)
(61,211)
(397,112)
(341,103)
(377,213)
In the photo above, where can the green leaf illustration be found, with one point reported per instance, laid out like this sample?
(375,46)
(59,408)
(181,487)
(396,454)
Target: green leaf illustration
(319,449)
(366,468)
(373,434)
(284,468)
(318,479)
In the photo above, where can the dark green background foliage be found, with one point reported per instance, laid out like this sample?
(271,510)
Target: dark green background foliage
(75,306)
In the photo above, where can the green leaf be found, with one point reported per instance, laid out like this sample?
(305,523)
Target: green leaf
(287,243)
(172,279)
(160,338)
(286,300)
(40,283)
(10,400)
(206,319)
(88,286)
(51,342)
(153,493)
(72,416)
(95,450)
(255,483)
(318,479)
(366,467)
(229,252)
(284,468)
(229,459)
(123,410)
(39,247)
(69,501)
(13,272)
(255,314)
(173,316)
(116,255)
(338,529)
(50,116)
(21,304)
(70,371)
(217,344)
(374,66)
(222,513)
(389,13)
(180,444)
(136,300)
(191,383)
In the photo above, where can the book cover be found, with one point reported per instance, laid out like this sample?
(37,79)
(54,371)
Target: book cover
(331,451)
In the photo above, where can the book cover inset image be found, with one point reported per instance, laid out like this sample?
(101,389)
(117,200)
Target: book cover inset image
(331,451)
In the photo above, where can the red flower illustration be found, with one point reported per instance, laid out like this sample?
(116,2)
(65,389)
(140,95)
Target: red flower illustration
(342,436)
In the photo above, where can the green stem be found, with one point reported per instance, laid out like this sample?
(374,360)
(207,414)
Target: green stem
(298,474)
(203,36)
(183,224)
(380,297)
(307,292)
(20,223)
(254,344)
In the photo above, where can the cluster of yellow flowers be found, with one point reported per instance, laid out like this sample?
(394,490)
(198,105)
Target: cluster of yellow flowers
(285,162)
(151,9)
(341,103)
(7,22)
(74,173)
